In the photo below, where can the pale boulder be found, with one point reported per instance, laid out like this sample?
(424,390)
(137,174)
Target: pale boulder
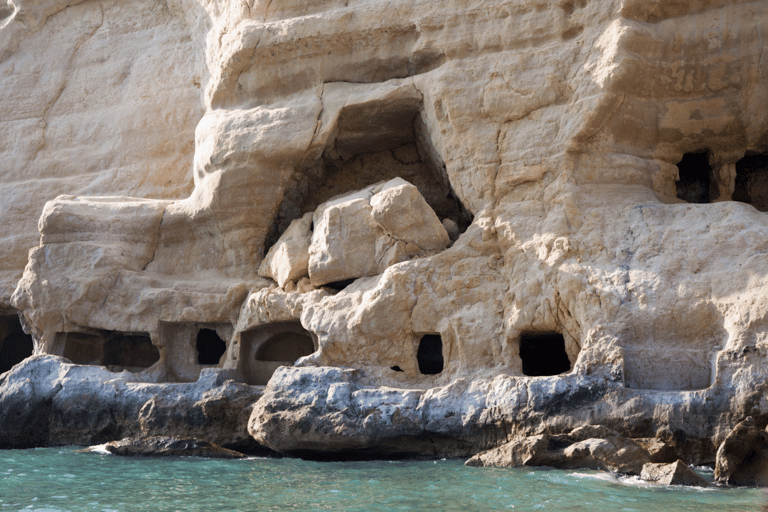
(403,212)
(288,259)
(676,473)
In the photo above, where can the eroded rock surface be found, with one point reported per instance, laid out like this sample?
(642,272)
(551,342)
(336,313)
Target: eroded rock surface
(163,446)
(526,217)
(676,473)
(742,458)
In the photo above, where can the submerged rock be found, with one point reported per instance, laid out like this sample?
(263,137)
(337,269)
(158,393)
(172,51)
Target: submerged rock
(742,458)
(676,473)
(163,446)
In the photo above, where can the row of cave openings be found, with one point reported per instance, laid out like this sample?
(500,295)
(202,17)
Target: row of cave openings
(697,182)
(262,350)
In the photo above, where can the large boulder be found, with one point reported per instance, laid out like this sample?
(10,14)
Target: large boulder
(288,259)
(742,458)
(676,473)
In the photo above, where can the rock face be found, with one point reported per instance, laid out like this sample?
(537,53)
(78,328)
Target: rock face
(525,216)
(676,473)
(742,458)
(49,401)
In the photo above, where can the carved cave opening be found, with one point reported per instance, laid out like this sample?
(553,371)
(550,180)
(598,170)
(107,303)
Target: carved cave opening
(374,142)
(752,181)
(695,183)
(264,349)
(430,354)
(543,354)
(15,344)
(116,350)
(210,347)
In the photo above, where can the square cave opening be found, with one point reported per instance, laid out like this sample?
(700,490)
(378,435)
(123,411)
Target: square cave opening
(265,348)
(116,350)
(543,354)
(751,185)
(695,180)
(210,347)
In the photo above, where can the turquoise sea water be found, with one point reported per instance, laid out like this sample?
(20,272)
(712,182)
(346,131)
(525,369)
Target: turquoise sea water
(59,479)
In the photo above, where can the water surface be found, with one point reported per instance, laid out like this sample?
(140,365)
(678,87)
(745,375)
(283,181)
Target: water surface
(62,479)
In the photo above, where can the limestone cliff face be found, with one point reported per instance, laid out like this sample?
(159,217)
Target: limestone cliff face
(495,216)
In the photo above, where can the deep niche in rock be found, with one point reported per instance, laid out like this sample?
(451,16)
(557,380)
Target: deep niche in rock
(15,344)
(543,354)
(374,142)
(695,178)
(115,350)
(210,347)
(265,348)
(752,181)
(430,354)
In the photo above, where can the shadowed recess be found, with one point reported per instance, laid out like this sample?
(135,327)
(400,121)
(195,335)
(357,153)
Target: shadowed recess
(543,354)
(751,185)
(15,344)
(264,349)
(210,347)
(695,178)
(430,354)
(116,350)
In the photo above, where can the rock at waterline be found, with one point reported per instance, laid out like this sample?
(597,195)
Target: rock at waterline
(676,473)
(742,458)
(161,446)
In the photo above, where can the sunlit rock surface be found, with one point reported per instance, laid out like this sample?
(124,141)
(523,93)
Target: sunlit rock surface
(591,175)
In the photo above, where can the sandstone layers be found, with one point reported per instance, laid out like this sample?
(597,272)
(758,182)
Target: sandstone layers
(463,221)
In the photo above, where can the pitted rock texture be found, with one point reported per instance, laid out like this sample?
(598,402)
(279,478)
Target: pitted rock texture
(555,145)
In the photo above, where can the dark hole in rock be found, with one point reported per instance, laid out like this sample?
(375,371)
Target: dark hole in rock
(695,178)
(339,285)
(752,181)
(430,354)
(396,368)
(15,344)
(113,349)
(210,347)
(266,348)
(375,142)
(544,354)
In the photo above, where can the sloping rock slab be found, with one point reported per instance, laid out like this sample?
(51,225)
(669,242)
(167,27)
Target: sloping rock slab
(742,458)
(611,453)
(162,446)
(676,473)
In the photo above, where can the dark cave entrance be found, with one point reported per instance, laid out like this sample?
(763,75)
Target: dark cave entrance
(210,347)
(15,344)
(430,354)
(373,142)
(116,350)
(264,349)
(752,181)
(695,180)
(543,354)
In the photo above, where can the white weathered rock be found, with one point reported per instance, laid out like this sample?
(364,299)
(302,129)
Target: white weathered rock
(401,210)
(288,259)
(550,132)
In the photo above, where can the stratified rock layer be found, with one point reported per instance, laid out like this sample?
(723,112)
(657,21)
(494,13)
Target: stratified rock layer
(570,229)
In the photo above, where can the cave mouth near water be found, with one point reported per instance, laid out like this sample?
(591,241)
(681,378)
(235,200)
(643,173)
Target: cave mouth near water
(543,354)
(114,349)
(210,347)
(430,354)
(695,178)
(15,344)
(751,185)
(267,347)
